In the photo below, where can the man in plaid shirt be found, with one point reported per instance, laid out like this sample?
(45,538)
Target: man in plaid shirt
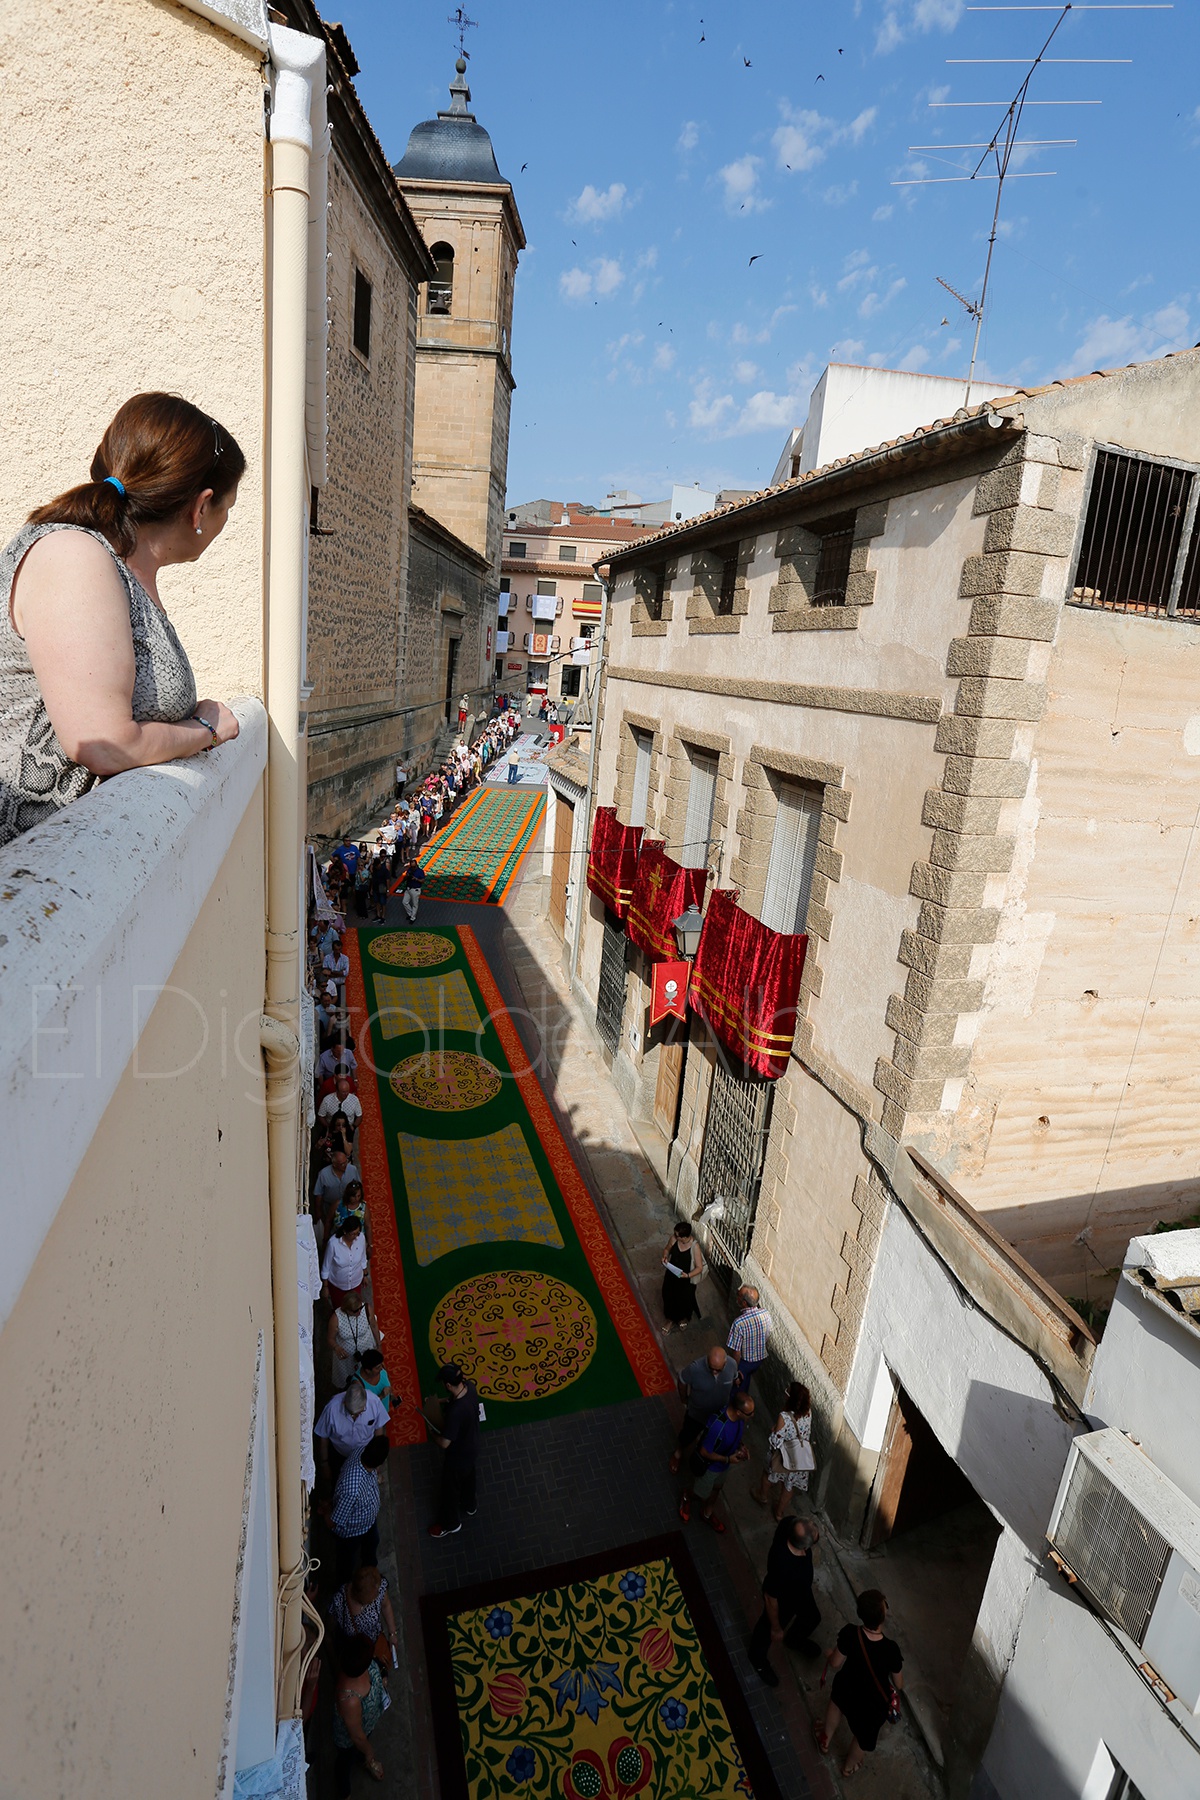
(747,1340)
(355,1509)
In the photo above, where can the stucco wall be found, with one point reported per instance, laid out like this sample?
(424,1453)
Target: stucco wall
(1096,956)
(1069,1692)
(131,258)
(126,1379)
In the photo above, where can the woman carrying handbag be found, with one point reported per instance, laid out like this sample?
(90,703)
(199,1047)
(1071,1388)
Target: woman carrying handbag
(791,1460)
(866,1682)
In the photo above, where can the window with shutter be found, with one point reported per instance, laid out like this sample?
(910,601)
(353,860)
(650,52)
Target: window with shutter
(641,777)
(697,828)
(793,851)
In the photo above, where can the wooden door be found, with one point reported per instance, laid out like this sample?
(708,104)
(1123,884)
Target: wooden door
(560,863)
(889,1476)
(666,1088)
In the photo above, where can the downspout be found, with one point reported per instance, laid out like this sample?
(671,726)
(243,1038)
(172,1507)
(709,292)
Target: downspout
(601,643)
(298,65)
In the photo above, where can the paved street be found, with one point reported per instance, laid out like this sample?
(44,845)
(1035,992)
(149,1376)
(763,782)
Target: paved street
(571,1486)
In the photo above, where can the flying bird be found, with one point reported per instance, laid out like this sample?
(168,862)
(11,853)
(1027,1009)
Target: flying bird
(746,62)
(701,37)
(945,321)
(524,166)
(840,52)
(819,78)
(754,259)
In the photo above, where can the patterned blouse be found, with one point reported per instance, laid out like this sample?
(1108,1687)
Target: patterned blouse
(367,1621)
(37,777)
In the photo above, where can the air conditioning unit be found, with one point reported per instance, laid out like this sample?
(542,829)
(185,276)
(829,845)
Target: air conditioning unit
(1131,1540)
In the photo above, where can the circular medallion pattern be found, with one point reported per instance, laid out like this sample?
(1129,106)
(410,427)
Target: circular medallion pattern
(519,1335)
(445,1080)
(411,949)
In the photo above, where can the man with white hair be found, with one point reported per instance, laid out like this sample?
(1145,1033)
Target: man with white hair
(347,1424)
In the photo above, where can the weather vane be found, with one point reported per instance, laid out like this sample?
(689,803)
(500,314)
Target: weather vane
(458,18)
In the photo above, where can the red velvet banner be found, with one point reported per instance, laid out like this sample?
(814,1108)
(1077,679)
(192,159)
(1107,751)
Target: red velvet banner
(746,982)
(613,859)
(669,990)
(661,891)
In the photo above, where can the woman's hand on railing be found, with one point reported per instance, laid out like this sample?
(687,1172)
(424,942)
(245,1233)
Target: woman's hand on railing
(218,715)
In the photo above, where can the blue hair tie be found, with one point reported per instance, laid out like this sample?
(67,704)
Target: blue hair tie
(119,485)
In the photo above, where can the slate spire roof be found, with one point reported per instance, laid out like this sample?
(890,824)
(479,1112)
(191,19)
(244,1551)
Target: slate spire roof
(452,147)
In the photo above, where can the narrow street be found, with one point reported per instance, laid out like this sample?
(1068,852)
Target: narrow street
(574,1487)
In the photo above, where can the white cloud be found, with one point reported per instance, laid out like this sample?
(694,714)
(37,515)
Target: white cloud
(648,258)
(900,21)
(688,138)
(916,358)
(594,206)
(1108,343)
(880,214)
(795,142)
(602,279)
(574,284)
(846,350)
(664,356)
(745,372)
(707,409)
(858,127)
(740,181)
(609,275)
(818,295)
(874,302)
(765,411)
(839,193)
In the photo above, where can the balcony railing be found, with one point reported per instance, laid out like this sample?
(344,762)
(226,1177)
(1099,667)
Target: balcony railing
(96,906)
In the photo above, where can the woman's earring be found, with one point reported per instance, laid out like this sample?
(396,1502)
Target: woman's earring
(199,531)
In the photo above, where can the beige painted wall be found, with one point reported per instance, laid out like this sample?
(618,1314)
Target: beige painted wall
(131,257)
(1096,957)
(126,1380)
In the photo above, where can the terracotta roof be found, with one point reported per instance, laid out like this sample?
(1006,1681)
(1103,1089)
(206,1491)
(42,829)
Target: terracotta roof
(614,530)
(513,565)
(997,409)
(570,760)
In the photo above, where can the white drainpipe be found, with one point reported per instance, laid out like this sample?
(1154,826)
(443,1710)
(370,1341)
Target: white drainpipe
(298,67)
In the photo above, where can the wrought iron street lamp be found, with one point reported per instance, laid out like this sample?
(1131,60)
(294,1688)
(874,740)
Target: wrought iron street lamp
(687,931)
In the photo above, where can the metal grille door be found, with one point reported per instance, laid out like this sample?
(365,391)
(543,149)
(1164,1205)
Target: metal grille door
(610,995)
(735,1143)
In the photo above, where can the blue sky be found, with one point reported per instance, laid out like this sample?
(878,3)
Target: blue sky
(667,144)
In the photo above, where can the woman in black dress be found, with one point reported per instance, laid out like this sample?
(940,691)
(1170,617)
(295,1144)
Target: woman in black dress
(866,1668)
(683,1266)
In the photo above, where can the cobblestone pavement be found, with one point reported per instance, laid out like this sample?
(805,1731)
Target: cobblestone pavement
(570,1486)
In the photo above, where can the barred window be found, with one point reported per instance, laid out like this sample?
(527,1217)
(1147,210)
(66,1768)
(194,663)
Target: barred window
(515,549)
(833,563)
(1139,549)
(729,575)
(567,552)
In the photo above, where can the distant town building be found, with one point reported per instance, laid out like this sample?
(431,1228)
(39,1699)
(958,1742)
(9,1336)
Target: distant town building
(551,596)
(854,407)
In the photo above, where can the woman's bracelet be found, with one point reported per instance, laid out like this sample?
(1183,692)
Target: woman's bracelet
(211,729)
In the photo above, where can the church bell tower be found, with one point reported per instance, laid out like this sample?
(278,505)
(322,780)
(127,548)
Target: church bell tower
(468,217)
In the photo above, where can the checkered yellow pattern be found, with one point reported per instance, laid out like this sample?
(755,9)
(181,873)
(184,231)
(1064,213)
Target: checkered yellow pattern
(424,1003)
(482,1190)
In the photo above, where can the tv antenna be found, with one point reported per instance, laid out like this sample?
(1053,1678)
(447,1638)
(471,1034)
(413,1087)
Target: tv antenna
(458,18)
(1005,139)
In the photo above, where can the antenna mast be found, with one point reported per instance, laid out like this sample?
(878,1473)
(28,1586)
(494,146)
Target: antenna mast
(1004,140)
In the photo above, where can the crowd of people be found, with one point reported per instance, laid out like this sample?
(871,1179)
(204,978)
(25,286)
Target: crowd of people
(718,1410)
(359,878)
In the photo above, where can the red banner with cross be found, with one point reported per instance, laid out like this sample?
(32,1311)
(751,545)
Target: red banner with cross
(662,889)
(612,859)
(746,982)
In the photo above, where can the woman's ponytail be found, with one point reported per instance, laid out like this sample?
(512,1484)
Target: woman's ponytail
(158,454)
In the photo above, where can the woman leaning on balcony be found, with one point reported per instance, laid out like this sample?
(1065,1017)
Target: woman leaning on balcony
(93,679)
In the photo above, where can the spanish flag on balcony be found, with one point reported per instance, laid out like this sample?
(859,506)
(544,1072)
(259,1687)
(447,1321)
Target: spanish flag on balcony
(661,891)
(746,982)
(586,609)
(613,859)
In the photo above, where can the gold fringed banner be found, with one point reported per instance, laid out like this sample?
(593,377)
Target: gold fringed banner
(612,859)
(662,889)
(746,982)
